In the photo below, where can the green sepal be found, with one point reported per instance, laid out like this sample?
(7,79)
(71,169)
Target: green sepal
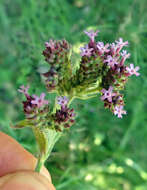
(23,123)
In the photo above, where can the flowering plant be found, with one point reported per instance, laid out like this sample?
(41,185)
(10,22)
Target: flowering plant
(101,70)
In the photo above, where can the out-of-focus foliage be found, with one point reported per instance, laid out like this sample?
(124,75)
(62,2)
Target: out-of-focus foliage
(100,151)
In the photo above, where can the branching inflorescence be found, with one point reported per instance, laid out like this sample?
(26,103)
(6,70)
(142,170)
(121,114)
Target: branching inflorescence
(101,70)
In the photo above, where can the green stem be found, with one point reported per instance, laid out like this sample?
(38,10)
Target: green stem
(39,165)
(70,100)
(46,140)
(55,107)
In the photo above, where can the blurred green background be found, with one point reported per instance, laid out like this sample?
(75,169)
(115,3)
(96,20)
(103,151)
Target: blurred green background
(100,152)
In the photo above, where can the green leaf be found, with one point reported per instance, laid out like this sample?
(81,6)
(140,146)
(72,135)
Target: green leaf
(46,139)
(22,124)
(41,140)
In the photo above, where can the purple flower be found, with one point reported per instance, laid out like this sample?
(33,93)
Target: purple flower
(24,90)
(39,101)
(133,70)
(125,56)
(102,48)
(63,101)
(112,61)
(121,43)
(108,94)
(113,48)
(118,110)
(28,106)
(91,34)
(65,116)
(86,51)
(50,44)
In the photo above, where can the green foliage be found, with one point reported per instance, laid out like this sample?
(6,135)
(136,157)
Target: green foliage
(100,151)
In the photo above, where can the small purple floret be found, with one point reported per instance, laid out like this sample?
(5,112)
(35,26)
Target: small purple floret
(121,43)
(102,48)
(62,100)
(133,70)
(50,44)
(108,94)
(24,89)
(112,61)
(39,101)
(86,51)
(91,34)
(125,55)
(118,110)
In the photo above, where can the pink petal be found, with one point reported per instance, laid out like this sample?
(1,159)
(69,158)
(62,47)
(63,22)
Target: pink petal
(137,74)
(110,89)
(119,115)
(103,90)
(35,96)
(34,102)
(109,99)
(131,66)
(42,96)
(46,102)
(137,68)
(103,97)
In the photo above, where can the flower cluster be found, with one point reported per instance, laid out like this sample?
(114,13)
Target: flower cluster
(33,104)
(101,70)
(107,61)
(37,110)
(113,101)
(56,55)
(64,117)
